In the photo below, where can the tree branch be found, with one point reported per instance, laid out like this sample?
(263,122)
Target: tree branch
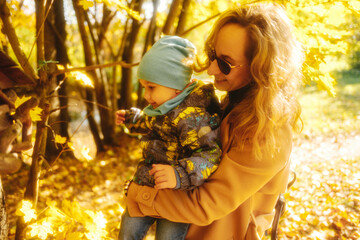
(9,30)
(7,100)
(85,101)
(92,67)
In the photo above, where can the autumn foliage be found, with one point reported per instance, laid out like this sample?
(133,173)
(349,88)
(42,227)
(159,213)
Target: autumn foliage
(81,56)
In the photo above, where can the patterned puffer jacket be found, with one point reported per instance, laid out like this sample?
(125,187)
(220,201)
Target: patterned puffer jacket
(187,138)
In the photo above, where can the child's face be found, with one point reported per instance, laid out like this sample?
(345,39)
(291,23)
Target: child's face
(156,94)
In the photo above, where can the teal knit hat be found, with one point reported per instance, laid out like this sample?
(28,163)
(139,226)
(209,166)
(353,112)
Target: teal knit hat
(168,62)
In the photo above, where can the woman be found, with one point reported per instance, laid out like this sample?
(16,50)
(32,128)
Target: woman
(254,56)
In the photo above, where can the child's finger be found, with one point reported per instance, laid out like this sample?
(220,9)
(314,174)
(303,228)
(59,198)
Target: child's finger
(118,122)
(120,119)
(155,168)
(161,186)
(161,179)
(159,176)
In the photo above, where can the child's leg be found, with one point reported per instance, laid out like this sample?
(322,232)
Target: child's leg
(166,230)
(134,228)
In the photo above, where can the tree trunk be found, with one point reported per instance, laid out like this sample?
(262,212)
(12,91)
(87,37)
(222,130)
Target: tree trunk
(4,227)
(62,58)
(56,34)
(89,61)
(92,123)
(183,17)
(98,77)
(128,55)
(32,187)
(50,55)
(107,124)
(116,100)
(100,80)
(173,13)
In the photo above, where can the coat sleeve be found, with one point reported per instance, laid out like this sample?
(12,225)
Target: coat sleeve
(136,121)
(199,135)
(237,178)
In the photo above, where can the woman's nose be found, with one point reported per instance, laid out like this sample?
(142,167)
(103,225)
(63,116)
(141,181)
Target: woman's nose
(146,95)
(213,69)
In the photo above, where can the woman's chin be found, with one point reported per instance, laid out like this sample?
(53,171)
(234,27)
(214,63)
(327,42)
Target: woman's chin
(221,85)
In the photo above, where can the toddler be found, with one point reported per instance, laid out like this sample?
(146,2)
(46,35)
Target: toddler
(180,139)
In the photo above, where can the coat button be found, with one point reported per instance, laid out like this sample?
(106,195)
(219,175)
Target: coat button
(146,196)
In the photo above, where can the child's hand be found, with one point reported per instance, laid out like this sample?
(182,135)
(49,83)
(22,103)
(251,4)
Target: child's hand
(164,176)
(120,117)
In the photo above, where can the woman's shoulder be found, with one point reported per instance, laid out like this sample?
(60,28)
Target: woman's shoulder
(243,149)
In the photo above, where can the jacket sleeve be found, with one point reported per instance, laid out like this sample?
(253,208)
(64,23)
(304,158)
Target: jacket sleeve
(199,135)
(136,121)
(237,178)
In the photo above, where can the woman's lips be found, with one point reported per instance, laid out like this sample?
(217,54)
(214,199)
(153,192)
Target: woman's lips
(220,80)
(154,105)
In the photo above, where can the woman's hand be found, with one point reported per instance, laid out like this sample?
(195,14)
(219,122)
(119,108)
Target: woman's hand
(120,117)
(164,176)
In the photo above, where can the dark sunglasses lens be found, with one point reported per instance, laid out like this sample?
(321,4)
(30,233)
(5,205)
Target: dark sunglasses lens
(223,66)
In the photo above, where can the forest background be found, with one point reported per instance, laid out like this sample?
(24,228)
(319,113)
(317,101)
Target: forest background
(63,160)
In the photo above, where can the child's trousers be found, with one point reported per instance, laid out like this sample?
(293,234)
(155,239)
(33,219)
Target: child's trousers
(135,228)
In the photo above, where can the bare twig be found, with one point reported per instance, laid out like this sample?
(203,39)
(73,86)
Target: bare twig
(92,67)
(56,122)
(65,146)
(59,108)
(84,100)
(81,124)
(5,98)
(40,29)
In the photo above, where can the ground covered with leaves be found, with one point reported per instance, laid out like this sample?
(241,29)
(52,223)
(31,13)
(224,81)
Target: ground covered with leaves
(84,197)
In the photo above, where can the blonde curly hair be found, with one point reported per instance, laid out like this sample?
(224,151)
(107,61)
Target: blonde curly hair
(275,58)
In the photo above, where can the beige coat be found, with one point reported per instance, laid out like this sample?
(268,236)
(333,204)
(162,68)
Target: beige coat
(236,202)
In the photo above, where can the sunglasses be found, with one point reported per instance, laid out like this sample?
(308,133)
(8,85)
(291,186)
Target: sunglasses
(224,66)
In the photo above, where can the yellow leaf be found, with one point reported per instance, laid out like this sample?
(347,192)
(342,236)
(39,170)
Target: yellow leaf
(74,236)
(51,203)
(55,214)
(95,235)
(27,211)
(97,218)
(60,66)
(60,139)
(35,114)
(86,4)
(304,215)
(20,101)
(41,230)
(82,78)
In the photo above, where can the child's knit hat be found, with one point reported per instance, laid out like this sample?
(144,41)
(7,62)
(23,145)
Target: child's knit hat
(168,62)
